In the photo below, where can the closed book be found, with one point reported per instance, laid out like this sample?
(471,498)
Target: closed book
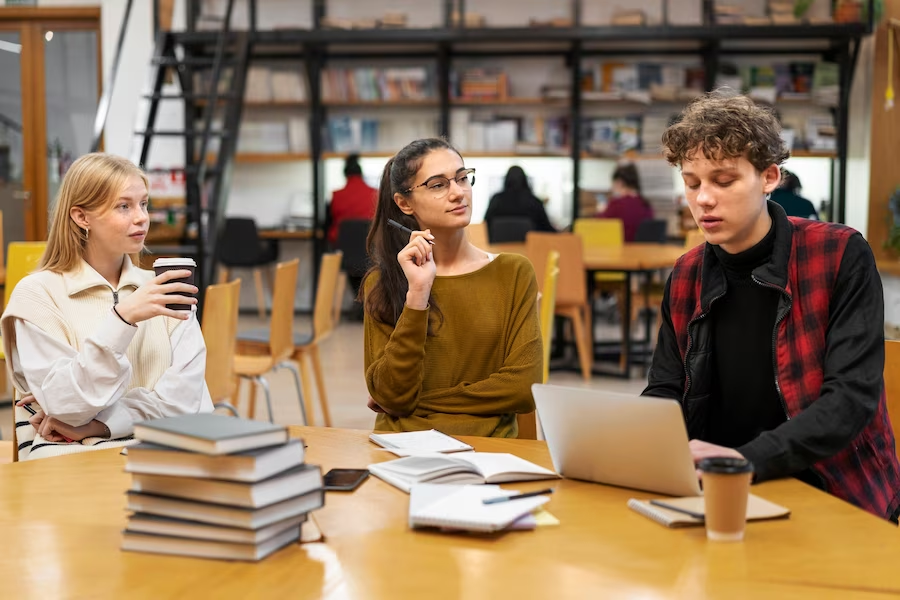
(294,482)
(465,467)
(251,465)
(210,433)
(418,442)
(757,509)
(220,514)
(164,544)
(147,523)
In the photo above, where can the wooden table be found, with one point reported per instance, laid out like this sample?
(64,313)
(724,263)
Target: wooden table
(61,520)
(287,234)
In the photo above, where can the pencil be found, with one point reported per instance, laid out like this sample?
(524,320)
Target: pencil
(404,229)
(678,509)
(517,496)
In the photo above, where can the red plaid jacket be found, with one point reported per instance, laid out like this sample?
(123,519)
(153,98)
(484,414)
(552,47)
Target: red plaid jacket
(804,268)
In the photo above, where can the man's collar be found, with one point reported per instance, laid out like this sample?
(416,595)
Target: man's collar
(84,277)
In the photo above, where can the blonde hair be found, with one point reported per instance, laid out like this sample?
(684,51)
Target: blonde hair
(93,183)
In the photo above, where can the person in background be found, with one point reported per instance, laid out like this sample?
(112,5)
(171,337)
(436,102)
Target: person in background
(517,200)
(788,196)
(626,202)
(452,336)
(89,340)
(355,200)
(772,336)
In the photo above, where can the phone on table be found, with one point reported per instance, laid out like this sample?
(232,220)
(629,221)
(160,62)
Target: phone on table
(344,480)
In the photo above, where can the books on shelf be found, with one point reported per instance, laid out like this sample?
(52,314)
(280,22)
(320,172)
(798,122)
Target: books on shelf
(288,86)
(368,84)
(258,87)
(461,508)
(272,137)
(465,467)
(217,487)
(418,442)
(354,134)
(479,84)
(519,134)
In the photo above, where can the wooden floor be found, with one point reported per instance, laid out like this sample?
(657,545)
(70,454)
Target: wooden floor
(342,361)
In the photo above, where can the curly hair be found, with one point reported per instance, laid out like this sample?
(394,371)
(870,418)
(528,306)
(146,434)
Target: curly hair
(725,125)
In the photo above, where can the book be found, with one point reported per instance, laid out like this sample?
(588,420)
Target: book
(154,524)
(758,509)
(418,442)
(250,465)
(164,544)
(468,467)
(210,433)
(220,514)
(294,482)
(461,507)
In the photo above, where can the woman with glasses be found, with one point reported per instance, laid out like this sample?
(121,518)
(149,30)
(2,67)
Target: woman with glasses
(452,338)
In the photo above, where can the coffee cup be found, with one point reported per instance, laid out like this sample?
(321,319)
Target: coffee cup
(161,265)
(726,487)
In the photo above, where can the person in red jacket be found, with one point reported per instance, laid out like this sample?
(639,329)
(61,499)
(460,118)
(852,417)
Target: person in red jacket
(355,200)
(626,202)
(772,336)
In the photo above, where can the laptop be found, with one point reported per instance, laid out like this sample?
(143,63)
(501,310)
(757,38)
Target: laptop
(617,439)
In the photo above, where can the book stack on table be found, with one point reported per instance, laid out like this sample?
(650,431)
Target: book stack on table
(217,487)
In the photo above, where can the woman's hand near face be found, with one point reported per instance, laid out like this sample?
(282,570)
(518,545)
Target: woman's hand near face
(150,299)
(417,262)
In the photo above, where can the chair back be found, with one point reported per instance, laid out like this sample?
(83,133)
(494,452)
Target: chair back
(892,383)
(478,235)
(693,239)
(351,240)
(507,230)
(323,311)
(600,233)
(23,258)
(240,243)
(653,231)
(571,287)
(219,327)
(548,305)
(281,325)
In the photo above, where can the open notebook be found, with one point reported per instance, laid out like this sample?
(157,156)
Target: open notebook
(418,442)
(461,507)
(757,509)
(464,467)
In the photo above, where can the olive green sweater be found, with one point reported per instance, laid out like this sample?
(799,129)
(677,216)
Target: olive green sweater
(474,373)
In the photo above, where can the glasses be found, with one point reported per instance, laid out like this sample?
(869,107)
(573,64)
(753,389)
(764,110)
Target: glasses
(439,186)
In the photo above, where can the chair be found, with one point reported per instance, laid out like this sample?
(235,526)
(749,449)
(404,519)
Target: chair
(505,230)
(892,382)
(219,327)
(351,241)
(261,351)
(528,422)
(241,248)
(652,230)
(478,235)
(571,291)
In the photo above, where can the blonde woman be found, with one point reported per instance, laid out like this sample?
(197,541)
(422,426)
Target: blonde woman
(90,343)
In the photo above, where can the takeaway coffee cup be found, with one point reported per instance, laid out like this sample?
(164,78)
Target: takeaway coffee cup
(161,265)
(726,486)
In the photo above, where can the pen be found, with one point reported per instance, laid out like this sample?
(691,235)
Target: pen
(517,496)
(404,229)
(677,509)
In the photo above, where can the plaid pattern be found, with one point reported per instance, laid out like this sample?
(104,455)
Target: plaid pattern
(867,472)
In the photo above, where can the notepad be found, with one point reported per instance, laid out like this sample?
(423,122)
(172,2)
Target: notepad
(418,442)
(462,507)
(758,509)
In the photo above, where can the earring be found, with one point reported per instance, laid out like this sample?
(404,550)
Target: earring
(87,234)
(768,197)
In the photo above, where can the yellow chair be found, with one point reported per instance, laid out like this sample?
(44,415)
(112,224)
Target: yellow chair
(601,233)
(219,327)
(528,422)
(892,382)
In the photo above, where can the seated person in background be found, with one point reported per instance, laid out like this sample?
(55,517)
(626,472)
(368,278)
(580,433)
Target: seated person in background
(355,200)
(626,202)
(452,338)
(772,334)
(788,196)
(88,337)
(517,200)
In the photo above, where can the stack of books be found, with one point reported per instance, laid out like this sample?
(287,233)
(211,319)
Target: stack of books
(217,487)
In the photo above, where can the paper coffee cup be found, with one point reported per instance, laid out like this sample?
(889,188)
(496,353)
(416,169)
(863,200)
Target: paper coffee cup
(726,487)
(161,265)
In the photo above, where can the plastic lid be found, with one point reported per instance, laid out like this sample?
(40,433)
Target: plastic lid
(725,465)
(170,262)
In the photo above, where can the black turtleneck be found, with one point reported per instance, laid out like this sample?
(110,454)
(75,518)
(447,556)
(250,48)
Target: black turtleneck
(747,402)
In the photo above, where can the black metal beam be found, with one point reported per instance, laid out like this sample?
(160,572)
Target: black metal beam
(575,126)
(443,80)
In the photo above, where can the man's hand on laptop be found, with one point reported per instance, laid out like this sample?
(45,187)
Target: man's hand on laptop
(701,450)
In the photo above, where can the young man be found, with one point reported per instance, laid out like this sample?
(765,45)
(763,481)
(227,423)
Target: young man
(772,336)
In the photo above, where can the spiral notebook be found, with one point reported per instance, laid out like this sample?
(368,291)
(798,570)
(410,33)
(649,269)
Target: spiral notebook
(460,507)
(758,509)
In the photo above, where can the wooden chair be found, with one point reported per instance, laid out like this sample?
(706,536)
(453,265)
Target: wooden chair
(220,318)
(571,292)
(261,351)
(528,422)
(892,383)
(307,346)
(478,235)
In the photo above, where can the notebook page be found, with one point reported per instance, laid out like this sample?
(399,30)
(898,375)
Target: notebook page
(464,509)
(505,467)
(418,442)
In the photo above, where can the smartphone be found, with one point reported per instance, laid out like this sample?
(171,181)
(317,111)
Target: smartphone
(344,480)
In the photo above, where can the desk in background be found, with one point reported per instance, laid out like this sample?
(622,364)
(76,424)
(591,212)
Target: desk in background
(62,519)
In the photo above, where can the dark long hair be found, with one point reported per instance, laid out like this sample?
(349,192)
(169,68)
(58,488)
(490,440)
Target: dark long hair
(516,180)
(388,295)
